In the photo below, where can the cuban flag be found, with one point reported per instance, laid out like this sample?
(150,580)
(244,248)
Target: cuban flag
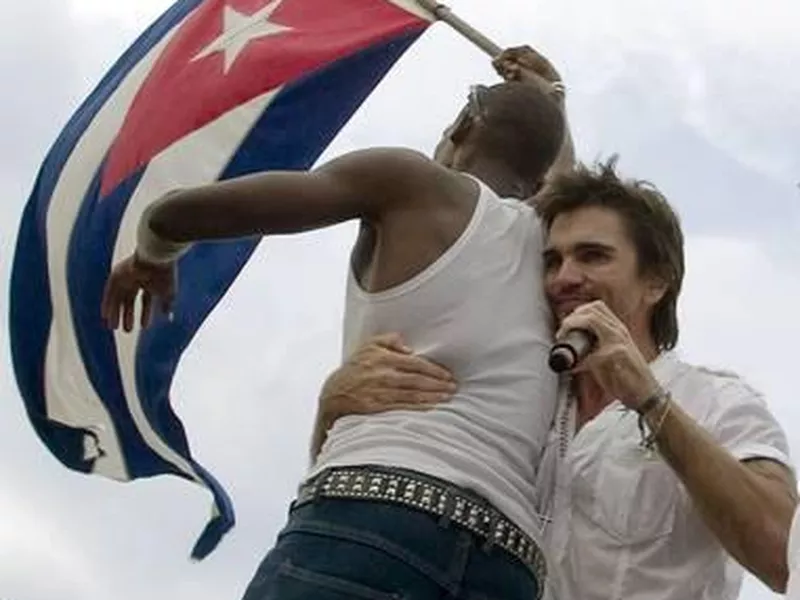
(213,89)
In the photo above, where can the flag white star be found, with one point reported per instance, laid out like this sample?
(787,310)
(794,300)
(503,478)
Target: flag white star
(240,29)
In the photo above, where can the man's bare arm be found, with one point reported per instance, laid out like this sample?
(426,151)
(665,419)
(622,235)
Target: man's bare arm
(358,185)
(382,375)
(525,64)
(565,161)
(748,505)
(320,433)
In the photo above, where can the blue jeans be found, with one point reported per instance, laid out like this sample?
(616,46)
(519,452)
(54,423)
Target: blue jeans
(336,549)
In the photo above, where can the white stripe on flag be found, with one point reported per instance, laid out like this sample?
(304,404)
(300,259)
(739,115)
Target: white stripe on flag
(196,159)
(414,8)
(70,396)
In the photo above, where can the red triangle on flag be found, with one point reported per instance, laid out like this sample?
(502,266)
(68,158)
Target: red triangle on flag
(229,52)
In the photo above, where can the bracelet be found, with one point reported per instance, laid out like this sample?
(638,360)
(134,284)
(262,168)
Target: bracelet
(648,441)
(154,249)
(651,402)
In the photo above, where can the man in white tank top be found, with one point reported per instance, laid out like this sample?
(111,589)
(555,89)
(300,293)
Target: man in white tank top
(410,505)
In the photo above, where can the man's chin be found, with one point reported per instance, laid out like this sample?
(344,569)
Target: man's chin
(563,311)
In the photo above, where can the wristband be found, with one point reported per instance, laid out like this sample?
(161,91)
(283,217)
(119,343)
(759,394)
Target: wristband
(154,249)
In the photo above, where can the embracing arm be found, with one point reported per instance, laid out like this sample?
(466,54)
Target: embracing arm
(382,375)
(748,505)
(366,185)
(322,424)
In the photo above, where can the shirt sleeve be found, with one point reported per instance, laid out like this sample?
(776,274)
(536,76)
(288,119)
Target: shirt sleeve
(742,423)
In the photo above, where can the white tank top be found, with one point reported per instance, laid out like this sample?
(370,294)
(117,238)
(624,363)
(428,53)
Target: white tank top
(480,311)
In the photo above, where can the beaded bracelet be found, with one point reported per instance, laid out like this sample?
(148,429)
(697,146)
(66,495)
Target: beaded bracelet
(648,441)
(651,402)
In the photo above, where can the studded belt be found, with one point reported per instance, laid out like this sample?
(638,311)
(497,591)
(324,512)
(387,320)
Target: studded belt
(431,495)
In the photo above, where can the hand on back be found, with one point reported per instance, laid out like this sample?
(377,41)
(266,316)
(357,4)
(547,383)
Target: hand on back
(385,375)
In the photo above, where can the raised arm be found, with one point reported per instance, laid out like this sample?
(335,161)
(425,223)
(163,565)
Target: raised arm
(523,63)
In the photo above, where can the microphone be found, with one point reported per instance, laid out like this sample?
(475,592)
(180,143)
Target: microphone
(571,349)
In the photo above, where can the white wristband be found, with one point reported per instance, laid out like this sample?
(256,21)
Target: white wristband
(154,249)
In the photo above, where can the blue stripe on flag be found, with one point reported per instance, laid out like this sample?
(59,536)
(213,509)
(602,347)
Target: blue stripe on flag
(89,262)
(30,308)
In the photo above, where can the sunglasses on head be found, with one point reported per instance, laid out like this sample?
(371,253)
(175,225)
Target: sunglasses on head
(474,99)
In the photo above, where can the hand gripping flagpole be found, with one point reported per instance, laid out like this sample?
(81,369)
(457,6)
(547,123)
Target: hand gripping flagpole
(444,14)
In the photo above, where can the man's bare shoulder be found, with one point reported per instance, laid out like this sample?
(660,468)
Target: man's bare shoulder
(405,175)
(383,162)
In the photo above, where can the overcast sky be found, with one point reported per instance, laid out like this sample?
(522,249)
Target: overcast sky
(697,96)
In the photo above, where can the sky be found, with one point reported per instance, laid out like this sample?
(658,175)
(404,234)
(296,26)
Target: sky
(696,96)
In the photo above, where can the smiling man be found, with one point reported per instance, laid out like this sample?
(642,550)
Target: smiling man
(649,502)
(656,472)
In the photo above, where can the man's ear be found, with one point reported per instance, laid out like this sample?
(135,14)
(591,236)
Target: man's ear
(656,289)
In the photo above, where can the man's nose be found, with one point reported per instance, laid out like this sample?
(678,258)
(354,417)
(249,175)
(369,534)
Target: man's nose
(567,274)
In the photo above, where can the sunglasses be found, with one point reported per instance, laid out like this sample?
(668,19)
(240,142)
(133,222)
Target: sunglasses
(474,100)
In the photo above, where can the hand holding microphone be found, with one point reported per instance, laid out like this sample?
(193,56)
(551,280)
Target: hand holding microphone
(595,340)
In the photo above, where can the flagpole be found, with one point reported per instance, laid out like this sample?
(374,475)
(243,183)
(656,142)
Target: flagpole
(443,13)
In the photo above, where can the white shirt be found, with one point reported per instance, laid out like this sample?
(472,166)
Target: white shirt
(624,527)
